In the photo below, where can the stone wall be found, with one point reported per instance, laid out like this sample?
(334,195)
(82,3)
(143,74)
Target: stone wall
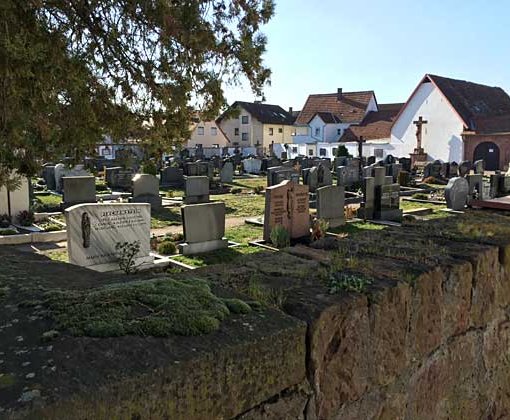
(432,345)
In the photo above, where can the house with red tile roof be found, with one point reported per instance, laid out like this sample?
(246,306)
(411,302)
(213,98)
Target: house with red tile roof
(327,120)
(461,120)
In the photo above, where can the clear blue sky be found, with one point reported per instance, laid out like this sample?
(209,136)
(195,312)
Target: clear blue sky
(382,45)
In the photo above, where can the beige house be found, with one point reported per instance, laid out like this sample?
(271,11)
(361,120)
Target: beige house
(257,125)
(208,135)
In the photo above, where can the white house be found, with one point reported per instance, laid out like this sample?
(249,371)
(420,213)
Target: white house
(324,119)
(448,108)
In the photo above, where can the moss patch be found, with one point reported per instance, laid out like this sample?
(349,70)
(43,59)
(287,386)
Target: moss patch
(161,307)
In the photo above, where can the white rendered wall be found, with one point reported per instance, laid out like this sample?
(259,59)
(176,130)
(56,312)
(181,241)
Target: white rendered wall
(441,137)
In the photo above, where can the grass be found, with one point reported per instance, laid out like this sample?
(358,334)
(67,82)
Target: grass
(356,227)
(172,192)
(250,182)
(161,307)
(165,217)
(60,255)
(242,205)
(240,234)
(437,214)
(48,203)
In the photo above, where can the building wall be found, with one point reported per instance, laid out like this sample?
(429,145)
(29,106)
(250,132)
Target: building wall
(207,139)
(284,137)
(502,141)
(441,137)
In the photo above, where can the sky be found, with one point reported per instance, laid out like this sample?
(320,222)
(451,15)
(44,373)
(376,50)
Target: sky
(381,45)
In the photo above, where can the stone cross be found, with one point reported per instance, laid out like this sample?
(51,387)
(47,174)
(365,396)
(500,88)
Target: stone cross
(419,124)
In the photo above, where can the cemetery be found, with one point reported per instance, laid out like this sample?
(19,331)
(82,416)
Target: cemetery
(176,263)
(169,251)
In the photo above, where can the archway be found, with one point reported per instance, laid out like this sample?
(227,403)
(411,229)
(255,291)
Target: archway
(489,152)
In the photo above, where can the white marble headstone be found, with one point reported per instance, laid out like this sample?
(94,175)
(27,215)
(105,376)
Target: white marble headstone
(93,230)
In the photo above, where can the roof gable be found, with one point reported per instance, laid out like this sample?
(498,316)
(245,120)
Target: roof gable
(350,107)
(265,113)
(376,124)
(471,101)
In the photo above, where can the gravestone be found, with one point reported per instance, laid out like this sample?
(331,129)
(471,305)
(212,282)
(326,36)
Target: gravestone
(464,168)
(19,199)
(316,177)
(204,228)
(60,172)
(504,185)
(93,230)
(109,175)
(227,172)
(453,170)
(366,211)
(122,179)
(495,184)
(387,203)
(146,190)
(370,160)
(389,159)
(404,179)
(172,176)
(277,174)
(341,175)
(435,169)
(330,205)
(78,190)
(456,193)
(445,170)
(406,163)
(287,205)
(379,175)
(427,170)
(48,174)
(394,170)
(197,190)
(191,169)
(475,182)
(479,167)
(252,166)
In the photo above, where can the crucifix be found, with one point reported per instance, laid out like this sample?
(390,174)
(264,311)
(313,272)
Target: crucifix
(419,124)
(361,140)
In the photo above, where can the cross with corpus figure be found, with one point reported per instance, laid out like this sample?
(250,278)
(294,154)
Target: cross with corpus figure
(419,124)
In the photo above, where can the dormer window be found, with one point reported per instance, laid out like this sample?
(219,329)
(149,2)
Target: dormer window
(244,119)
(317,131)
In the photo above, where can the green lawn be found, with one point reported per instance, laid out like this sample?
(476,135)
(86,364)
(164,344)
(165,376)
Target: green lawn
(437,213)
(242,205)
(165,217)
(47,203)
(249,182)
(356,227)
(240,234)
(172,192)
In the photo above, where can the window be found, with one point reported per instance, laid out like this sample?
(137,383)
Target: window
(310,152)
(236,143)
(244,119)
(244,137)
(280,130)
(317,131)
(378,153)
(200,131)
(322,152)
(339,131)
(294,150)
(270,131)
(236,131)
(214,131)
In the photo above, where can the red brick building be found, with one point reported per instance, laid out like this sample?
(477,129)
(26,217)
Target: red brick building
(489,140)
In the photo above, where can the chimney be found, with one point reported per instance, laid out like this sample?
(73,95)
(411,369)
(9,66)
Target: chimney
(339,94)
(290,110)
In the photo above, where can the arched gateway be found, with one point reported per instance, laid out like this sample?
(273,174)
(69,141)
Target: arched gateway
(489,152)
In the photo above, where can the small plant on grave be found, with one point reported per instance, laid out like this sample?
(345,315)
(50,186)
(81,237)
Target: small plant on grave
(26,218)
(280,237)
(348,282)
(349,213)
(167,248)
(174,237)
(126,254)
(258,189)
(5,221)
(170,194)
(149,168)
(319,229)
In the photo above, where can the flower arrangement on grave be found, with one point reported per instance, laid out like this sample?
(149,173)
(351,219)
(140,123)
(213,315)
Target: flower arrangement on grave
(26,218)
(319,229)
